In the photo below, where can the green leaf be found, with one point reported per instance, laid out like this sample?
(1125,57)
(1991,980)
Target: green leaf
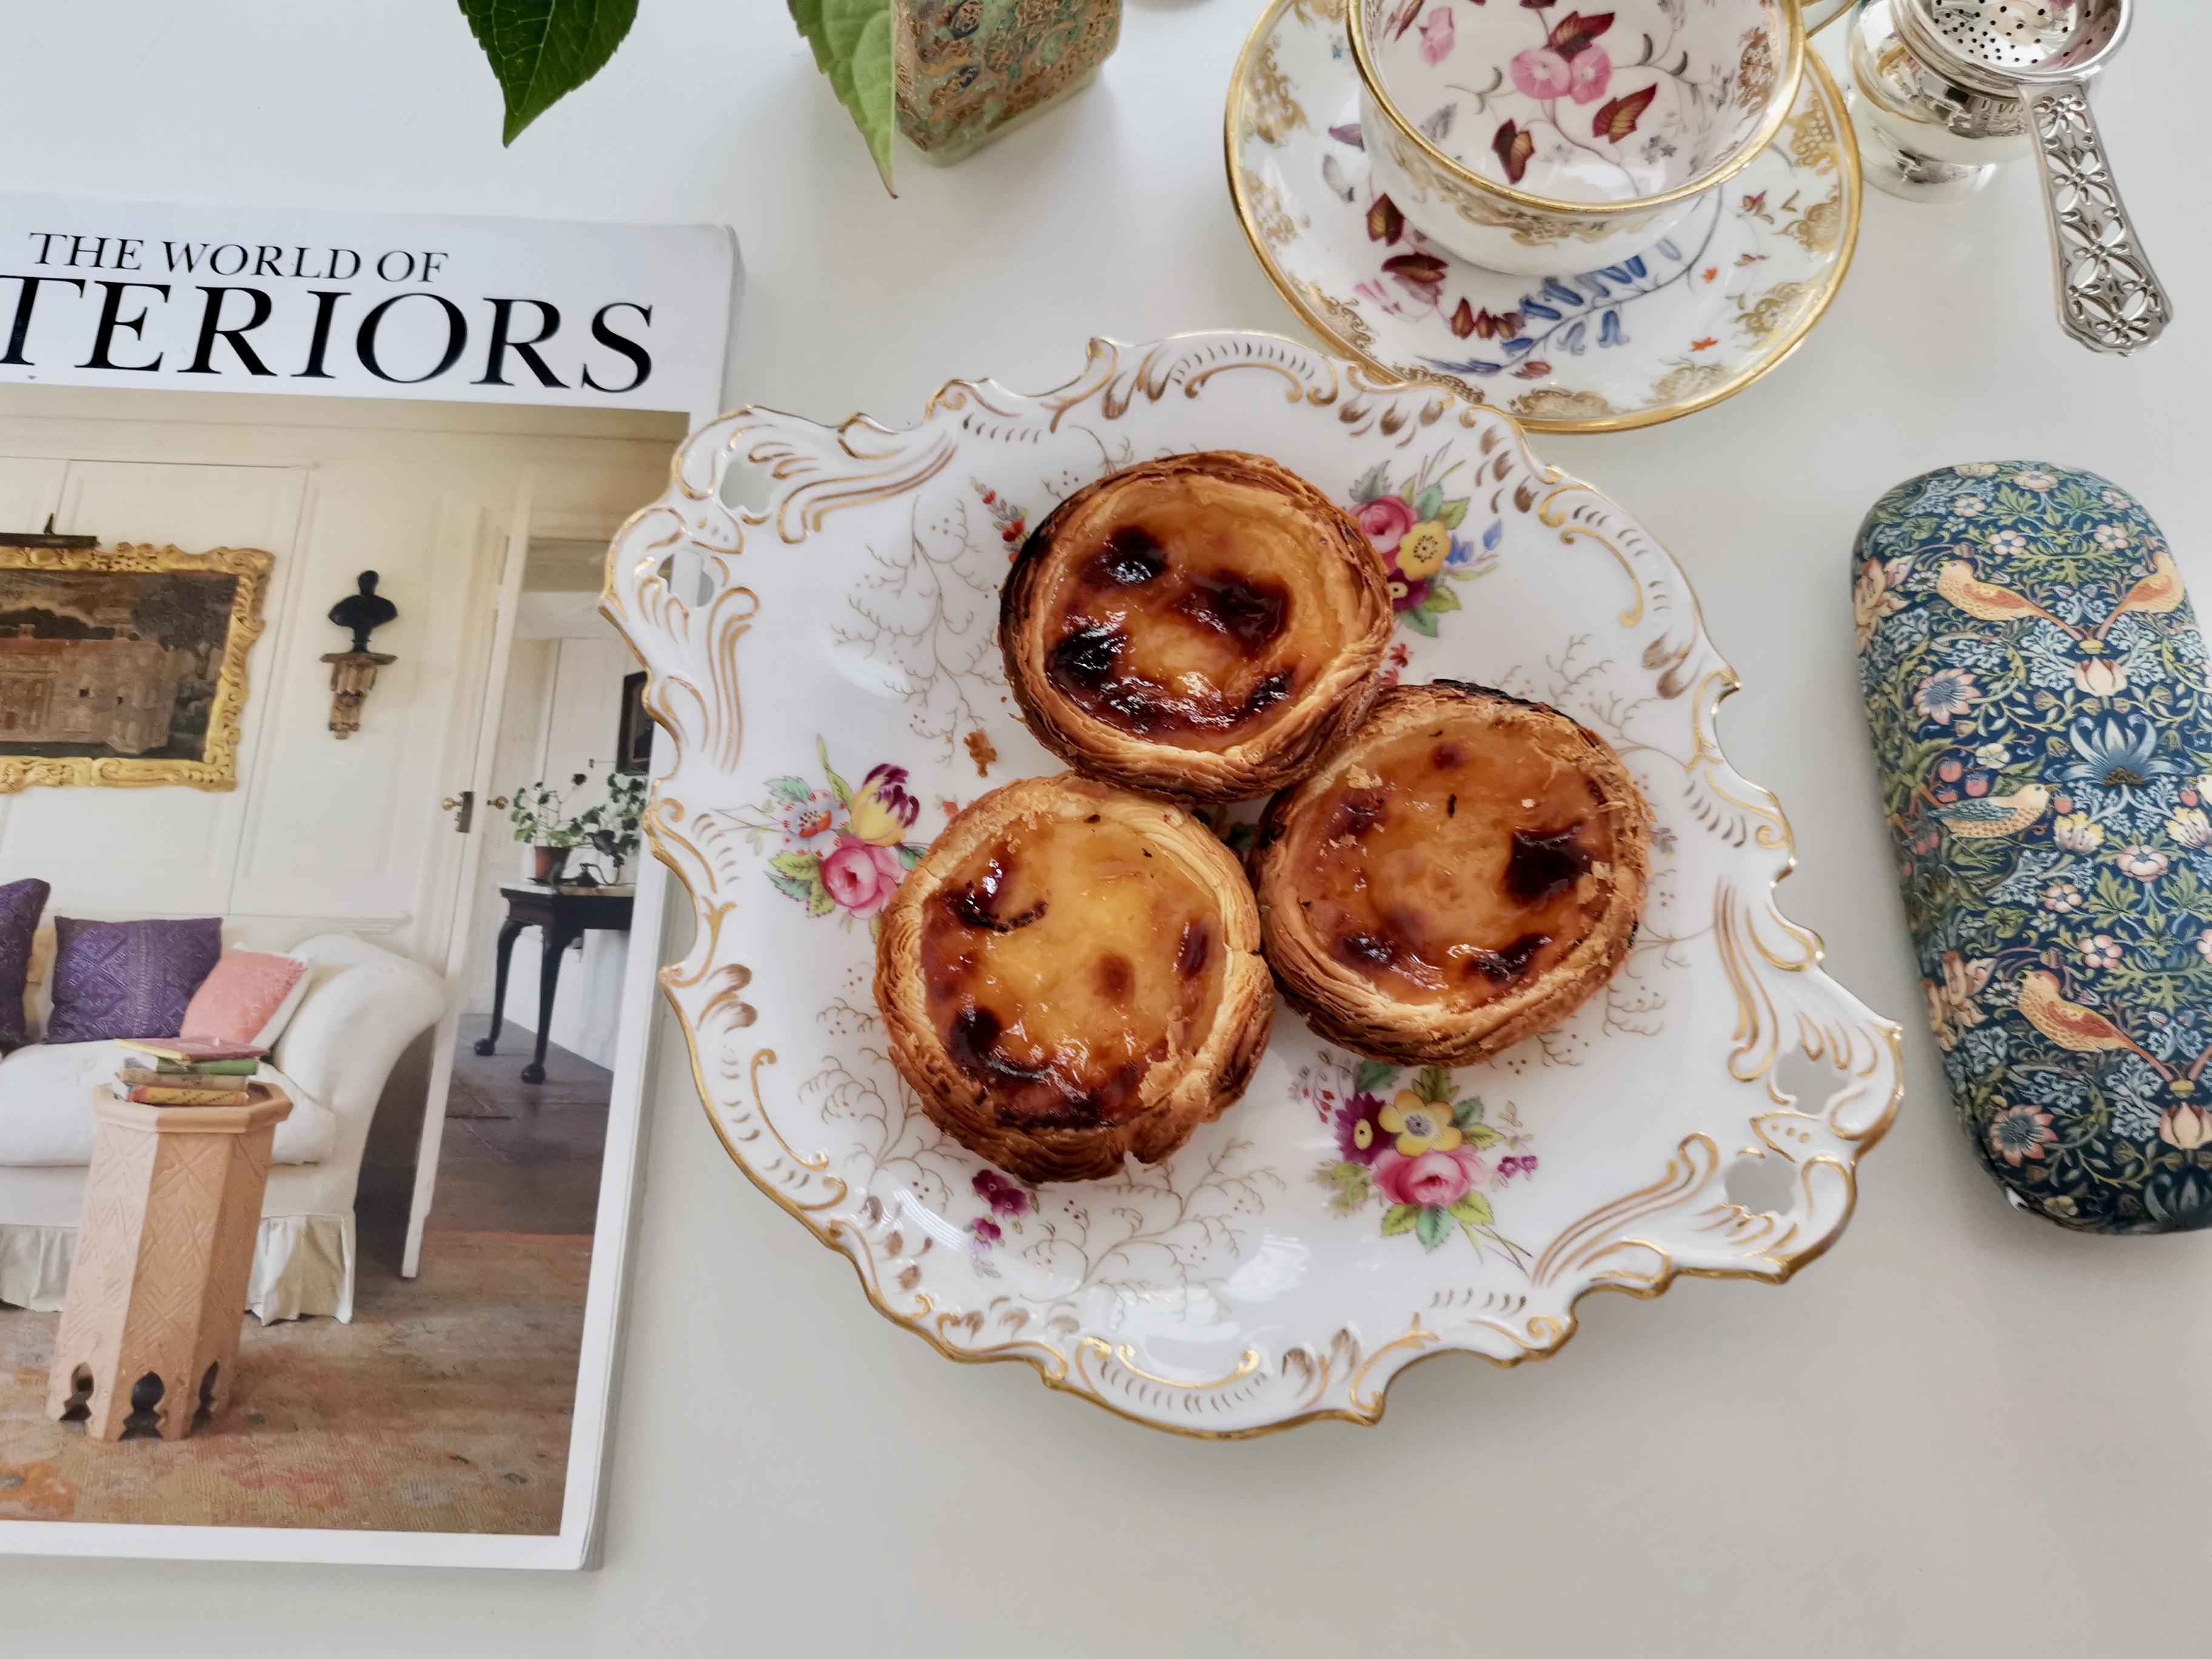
(1433,1225)
(1451,513)
(1353,1186)
(1474,1210)
(1421,621)
(1434,1085)
(908,853)
(1468,1113)
(792,887)
(1406,492)
(793,790)
(542,50)
(1429,502)
(851,42)
(1399,1218)
(799,874)
(838,786)
(1441,598)
(1372,483)
(1482,1136)
(1373,1074)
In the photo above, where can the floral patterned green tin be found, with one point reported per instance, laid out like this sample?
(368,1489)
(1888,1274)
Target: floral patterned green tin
(968,70)
(2036,685)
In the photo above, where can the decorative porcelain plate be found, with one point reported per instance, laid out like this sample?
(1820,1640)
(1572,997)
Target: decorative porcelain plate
(827,661)
(1696,319)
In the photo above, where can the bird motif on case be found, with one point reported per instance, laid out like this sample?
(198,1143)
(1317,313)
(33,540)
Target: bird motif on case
(2081,1029)
(2156,594)
(1989,816)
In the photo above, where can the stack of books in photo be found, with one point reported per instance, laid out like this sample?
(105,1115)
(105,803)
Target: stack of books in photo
(172,1072)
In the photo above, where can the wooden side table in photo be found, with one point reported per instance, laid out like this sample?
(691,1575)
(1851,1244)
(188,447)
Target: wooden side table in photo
(149,1337)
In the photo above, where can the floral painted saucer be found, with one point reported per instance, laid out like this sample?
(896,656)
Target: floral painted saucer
(1717,303)
(827,663)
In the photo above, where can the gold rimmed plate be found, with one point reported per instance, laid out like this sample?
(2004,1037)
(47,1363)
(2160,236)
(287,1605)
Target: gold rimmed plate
(827,664)
(1695,319)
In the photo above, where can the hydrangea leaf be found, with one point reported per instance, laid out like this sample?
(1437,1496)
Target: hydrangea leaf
(542,50)
(851,42)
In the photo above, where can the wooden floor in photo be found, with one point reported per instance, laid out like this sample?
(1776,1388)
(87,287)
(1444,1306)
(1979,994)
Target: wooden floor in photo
(444,1406)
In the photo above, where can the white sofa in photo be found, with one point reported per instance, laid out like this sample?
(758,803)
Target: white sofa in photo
(363,1006)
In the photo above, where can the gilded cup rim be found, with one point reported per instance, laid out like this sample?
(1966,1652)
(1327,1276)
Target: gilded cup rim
(1779,105)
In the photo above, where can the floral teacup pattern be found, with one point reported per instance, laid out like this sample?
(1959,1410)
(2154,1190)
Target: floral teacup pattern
(2036,683)
(1584,106)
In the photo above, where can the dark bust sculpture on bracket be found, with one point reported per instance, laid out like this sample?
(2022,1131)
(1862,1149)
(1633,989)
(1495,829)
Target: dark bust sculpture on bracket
(363,612)
(354,672)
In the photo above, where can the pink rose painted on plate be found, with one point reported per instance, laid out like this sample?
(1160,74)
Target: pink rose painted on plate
(1433,1178)
(1429,1160)
(841,850)
(1386,518)
(861,876)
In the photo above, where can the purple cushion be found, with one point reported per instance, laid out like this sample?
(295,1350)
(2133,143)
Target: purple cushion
(128,979)
(20,903)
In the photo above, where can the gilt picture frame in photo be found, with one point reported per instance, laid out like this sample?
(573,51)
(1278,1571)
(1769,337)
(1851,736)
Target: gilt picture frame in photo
(471,408)
(125,666)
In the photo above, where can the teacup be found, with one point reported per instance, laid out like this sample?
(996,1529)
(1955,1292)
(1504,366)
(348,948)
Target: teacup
(1539,139)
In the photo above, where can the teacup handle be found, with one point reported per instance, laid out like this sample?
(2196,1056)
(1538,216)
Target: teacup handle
(2109,297)
(1819,14)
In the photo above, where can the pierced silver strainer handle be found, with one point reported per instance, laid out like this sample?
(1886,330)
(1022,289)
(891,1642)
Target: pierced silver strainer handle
(2109,297)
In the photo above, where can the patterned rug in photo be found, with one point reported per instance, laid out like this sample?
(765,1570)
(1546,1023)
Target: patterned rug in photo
(444,1406)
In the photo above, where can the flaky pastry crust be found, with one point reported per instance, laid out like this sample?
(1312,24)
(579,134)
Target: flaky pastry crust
(1073,974)
(1205,627)
(1463,874)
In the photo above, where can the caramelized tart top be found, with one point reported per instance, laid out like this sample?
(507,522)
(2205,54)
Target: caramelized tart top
(1450,864)
(1061,961)
(1192,606)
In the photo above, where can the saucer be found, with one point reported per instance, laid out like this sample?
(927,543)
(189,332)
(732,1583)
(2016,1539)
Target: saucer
(1693,319)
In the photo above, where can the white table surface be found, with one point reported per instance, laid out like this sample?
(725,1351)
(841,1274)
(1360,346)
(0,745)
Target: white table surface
(1962,1433)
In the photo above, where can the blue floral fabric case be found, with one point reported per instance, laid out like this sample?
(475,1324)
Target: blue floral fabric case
(2037,688)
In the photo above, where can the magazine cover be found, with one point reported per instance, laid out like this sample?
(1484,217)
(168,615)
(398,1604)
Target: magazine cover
(326,939)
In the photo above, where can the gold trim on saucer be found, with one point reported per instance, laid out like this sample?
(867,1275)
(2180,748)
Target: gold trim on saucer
(1340,327)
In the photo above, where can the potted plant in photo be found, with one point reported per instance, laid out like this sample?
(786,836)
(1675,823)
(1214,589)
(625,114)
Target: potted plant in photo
(542,818)
(611,826)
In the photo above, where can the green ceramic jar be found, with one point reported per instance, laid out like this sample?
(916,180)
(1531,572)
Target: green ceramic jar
(970,70)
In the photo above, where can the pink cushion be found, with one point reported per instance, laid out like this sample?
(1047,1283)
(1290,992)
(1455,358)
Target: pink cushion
(240,1000)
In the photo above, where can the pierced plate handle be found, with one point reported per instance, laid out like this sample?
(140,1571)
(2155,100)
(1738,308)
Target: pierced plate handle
(2109,297)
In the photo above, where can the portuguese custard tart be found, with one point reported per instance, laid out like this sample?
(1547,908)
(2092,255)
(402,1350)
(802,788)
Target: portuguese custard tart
(1463,873)
(1072,972)
(1206,626)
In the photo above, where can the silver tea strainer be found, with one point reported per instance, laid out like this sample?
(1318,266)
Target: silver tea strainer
(1976,76)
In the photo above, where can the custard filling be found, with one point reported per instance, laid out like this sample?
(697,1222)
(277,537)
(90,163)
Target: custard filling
(1062,963)
(1450,870)
(1190,609)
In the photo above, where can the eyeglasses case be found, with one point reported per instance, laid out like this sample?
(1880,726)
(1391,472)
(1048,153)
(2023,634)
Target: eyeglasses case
(2036,685)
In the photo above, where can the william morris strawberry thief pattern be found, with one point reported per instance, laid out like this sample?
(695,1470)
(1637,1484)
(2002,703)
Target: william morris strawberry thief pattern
(2036,683)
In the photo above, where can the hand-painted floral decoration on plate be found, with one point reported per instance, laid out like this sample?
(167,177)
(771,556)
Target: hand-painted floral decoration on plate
(832,695)
(2035,678)
(1696,318)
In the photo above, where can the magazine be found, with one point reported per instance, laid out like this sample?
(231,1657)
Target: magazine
(328,930)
